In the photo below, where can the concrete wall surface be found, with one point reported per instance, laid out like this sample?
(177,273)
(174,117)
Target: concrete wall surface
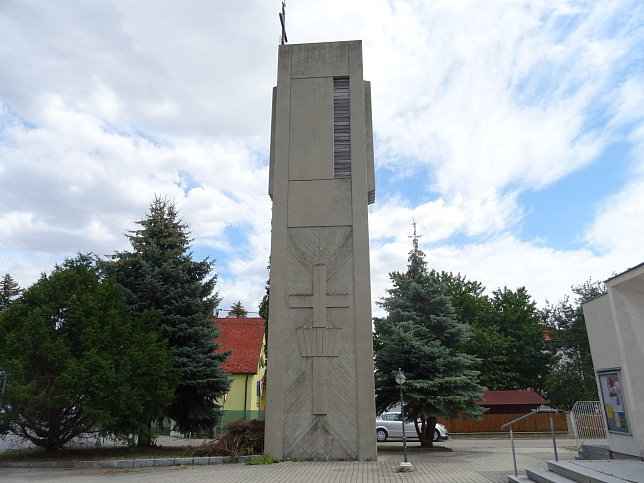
(320,385)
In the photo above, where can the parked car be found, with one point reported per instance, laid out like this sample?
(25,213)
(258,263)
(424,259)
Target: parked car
(388,426)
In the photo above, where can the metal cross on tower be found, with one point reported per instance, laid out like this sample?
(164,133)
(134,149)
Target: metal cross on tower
(282,16)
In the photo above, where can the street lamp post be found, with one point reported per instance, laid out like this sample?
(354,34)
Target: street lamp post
(400,380)
(4,375)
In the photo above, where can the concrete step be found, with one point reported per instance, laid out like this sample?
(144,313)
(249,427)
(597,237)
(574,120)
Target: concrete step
(542,475)
(594,452)
(597,471)
(518,479)
(580,473)
(539,475)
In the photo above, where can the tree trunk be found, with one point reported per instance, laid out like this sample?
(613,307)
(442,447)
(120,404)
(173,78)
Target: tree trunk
(426,435)
(144,436)
(52,447)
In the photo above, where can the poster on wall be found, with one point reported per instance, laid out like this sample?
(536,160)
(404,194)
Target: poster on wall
(614,405)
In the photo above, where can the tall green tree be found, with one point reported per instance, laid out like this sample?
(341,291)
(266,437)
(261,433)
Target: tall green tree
(79,361)
(159,274)
(572,377)
(422,336)
(9,290)
(470,303)
(486,342)
(529,357)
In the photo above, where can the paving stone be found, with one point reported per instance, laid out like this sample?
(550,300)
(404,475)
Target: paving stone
(469,461)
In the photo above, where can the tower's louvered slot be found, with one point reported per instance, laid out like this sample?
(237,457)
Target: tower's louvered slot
(341,128)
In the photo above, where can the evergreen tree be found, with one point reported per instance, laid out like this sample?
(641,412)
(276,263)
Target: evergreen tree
(79,362)
(572,377)
(263,313)
(237,310)
(422,336)
(9,290)
(263,304)
(159,274)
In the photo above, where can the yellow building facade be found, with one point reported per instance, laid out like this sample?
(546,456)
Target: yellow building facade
(245,366)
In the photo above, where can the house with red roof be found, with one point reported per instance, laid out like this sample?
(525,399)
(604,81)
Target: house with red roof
(245,366)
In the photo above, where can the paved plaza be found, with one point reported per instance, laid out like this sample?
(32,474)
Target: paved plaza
(457,460)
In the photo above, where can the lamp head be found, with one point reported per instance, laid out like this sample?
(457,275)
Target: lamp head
(400,378)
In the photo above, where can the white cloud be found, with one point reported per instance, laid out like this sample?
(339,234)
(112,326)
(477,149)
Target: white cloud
(108,104)
(617,230)
(82,186)
(483,116)
(503,261)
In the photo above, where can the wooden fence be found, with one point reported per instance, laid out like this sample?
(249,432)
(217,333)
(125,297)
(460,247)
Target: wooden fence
(491,423)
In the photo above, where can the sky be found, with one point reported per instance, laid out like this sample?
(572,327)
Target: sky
(510,131)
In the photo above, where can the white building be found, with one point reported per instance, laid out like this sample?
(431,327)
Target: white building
(615,324)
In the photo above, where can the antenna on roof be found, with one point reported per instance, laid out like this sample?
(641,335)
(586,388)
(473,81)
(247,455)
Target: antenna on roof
(282,16)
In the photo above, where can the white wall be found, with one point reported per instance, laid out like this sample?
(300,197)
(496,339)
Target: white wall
(615,324)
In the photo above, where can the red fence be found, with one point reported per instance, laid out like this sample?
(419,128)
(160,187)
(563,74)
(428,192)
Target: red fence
(491,423)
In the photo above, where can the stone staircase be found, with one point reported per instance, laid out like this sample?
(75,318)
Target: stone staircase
(593,465)
(568,472)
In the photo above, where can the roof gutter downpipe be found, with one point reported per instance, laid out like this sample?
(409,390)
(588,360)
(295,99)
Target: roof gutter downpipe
(245,395)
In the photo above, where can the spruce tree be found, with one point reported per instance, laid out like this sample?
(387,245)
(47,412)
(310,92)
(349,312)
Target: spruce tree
(160,274)
(263,313)
(422,336)
(237,310)
(9,290)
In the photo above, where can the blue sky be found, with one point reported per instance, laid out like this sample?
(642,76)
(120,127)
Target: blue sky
(511,131)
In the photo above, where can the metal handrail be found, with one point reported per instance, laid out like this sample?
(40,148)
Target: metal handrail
(552,429)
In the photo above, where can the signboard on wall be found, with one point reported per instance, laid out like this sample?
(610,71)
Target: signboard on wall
(613,400)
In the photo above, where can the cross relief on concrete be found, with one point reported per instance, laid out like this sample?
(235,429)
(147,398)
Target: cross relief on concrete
(319,341)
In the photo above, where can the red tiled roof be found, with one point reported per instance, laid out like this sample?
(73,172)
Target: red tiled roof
(244,337)
(499,398)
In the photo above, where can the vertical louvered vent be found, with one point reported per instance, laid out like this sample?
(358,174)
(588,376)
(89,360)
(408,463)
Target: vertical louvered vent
(341,129)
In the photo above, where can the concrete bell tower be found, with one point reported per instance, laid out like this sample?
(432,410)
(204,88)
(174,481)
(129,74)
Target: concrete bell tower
(320,374)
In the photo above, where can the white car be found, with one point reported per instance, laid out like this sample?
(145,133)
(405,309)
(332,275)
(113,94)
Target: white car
(389,426)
